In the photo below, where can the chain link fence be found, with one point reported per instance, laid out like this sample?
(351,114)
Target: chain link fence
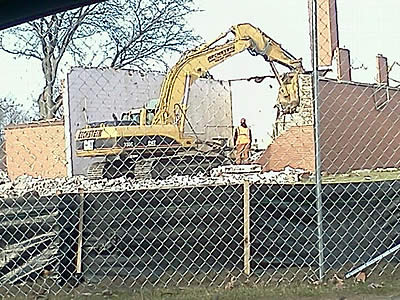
(138,183)
(356,126)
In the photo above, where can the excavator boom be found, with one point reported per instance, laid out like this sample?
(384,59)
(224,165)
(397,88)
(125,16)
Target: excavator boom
(197,62)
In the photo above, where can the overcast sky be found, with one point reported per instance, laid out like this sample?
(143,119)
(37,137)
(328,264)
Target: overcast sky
(366,27)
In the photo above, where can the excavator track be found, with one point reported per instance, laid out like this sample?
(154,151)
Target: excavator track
(158,168)
(165,167)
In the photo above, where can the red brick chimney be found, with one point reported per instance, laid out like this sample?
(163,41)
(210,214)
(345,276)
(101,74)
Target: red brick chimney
(343,64)
(382,69)
(328,34)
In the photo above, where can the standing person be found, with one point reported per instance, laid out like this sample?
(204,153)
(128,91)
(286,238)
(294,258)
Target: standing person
(242,140)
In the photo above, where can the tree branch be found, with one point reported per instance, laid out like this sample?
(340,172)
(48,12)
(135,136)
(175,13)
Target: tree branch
(116,32)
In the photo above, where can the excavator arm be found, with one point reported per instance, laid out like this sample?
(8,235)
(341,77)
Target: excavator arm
(197,62)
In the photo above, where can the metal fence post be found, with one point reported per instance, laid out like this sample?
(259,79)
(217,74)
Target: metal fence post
(318,186)
(246,226)
(80,233)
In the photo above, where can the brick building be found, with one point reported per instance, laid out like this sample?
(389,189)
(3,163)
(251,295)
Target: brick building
(36,149)
(359,124)
(359,128)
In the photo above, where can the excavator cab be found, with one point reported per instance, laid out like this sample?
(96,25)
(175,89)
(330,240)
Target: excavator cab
(141,116)
(150,107)
(132,116)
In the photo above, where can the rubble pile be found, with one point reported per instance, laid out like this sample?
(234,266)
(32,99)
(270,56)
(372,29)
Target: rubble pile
(48,187)
(255,156)
(3,177)
(253,174)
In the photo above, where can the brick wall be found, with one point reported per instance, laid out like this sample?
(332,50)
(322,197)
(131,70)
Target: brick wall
(293,143)
(359,126)
(304,113)
(36,149)
(294,148)
(359,129)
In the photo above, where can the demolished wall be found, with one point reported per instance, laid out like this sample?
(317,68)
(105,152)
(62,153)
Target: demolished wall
(359,129)
(293,143)
(294,147)
(95,94)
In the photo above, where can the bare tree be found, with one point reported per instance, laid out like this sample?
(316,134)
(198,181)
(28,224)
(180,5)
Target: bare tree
(117,33)
(12,113)
(152,29)
(48,39)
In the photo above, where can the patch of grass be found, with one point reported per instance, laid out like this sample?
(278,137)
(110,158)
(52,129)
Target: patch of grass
(302,291)
(288,292)
(362,176)
(359,176)
(330,289)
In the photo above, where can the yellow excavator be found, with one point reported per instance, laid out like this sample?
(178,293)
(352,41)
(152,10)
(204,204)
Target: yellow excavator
(150,142)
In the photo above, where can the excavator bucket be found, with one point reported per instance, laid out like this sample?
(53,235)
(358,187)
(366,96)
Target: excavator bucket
(288,96)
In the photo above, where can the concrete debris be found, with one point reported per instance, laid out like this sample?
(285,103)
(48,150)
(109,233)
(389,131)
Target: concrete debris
(231,284)
(32,261)
(106,293)
(339,282)
(361,277)
(255,155)
(3,177)
(387,169)
(49,187)
(235,169)
(237,174)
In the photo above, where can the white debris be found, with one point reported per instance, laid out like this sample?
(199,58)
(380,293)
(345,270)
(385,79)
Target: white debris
(3,177)
(255,155)
(48,187)
(288,175)
(235,169)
